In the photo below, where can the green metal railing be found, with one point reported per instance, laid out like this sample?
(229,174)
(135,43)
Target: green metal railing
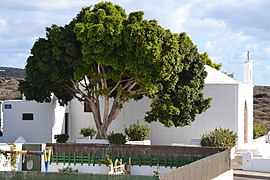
(167,161)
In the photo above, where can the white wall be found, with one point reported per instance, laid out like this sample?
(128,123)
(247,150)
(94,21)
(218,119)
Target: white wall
(245,95)
(224,112)
(251,163)
(220,114)
(227,111)
(58,120)
(133,112)
(103,169)
(78,119)
(34,131)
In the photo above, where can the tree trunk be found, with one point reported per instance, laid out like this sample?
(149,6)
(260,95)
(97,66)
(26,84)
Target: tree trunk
(101,133)
(102,130)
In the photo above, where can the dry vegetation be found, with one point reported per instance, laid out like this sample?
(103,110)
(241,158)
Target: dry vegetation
(9,88)
(9,81)
(262,105)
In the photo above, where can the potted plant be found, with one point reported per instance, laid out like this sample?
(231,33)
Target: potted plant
(88,132)
(137,132)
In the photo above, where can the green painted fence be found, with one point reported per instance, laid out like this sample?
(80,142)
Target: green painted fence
(167,161)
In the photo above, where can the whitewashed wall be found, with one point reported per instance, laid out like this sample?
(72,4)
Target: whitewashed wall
(227,111)
(251,163)
(222,113)
(58,119)
(103,169)
(131,113)
(245,95)
(35,131)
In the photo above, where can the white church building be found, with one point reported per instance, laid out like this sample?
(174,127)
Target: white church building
(231,107)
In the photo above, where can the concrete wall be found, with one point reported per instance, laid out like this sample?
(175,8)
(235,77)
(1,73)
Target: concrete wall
(37,130)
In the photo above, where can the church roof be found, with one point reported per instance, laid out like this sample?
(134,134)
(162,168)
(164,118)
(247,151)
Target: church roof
(217,77)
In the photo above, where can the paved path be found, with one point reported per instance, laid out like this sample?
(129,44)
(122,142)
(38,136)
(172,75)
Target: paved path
(250,174)
(239,174)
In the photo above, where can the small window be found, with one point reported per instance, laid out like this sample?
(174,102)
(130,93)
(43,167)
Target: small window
(8,106)
(27,116)
(87,107)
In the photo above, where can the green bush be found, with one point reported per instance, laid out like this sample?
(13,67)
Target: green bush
(61,138)
(137,132)
(116,138)
(222,138)
(88,131)
(259,130)
(68,170)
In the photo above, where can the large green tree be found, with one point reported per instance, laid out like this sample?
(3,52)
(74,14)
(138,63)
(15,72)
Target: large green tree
(104,55)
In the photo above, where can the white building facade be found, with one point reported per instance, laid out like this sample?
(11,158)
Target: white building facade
(231,107)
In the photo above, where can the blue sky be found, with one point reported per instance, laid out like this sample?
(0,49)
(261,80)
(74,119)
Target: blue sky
(226,29)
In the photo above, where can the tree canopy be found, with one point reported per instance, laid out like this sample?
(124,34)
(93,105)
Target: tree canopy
(103,54)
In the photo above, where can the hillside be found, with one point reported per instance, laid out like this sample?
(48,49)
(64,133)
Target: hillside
(261,104)
(9,80)
(9,72)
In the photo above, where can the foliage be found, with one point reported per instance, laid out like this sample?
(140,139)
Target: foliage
(105,54)
(229,74)
(10,158)
(223,138)
(137,132)
(116,138)
(259,130)
(1,133)
(88,131)
(13,157)
(61,138)
(68,170)
(207,60)
(107,161)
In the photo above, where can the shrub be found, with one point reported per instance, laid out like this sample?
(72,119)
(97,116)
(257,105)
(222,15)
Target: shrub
(88,131)
(137,132)
(1,133)
(259,130)
(116,138)
(61,138)
(222,138)
(68,170)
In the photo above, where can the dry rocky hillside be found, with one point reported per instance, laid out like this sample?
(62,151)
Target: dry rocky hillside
(9,80)
(261,101)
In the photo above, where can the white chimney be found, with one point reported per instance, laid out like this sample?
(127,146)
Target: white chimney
(248,74)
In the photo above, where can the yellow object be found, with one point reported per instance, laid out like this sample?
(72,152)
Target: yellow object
(45,155)
(49,155)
